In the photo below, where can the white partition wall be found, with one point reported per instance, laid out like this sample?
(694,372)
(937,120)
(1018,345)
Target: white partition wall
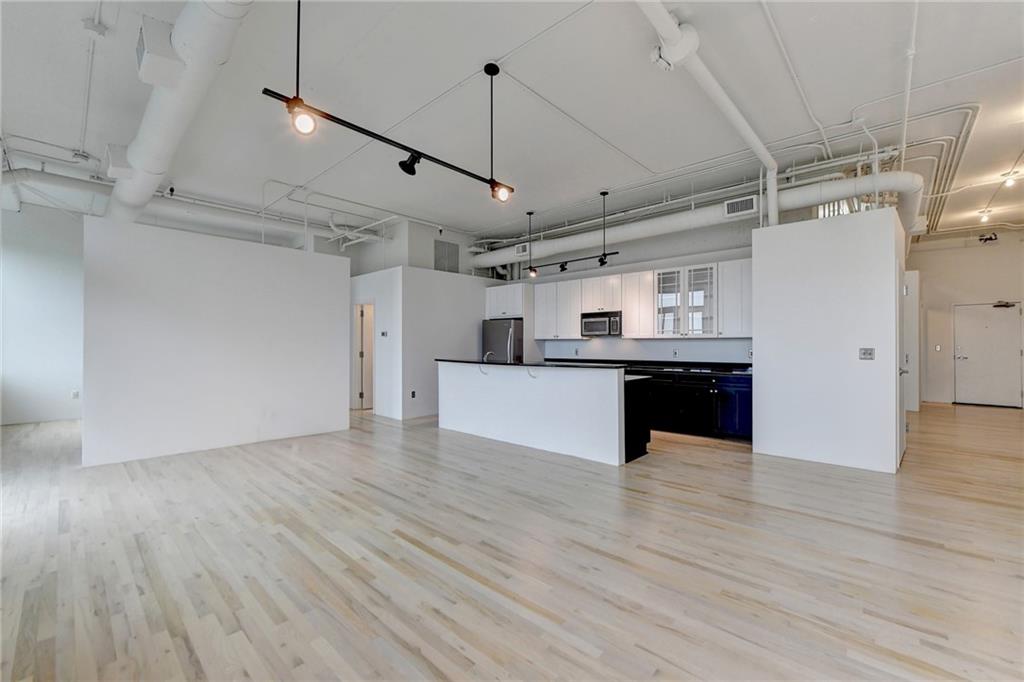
(824,290)
(195,342)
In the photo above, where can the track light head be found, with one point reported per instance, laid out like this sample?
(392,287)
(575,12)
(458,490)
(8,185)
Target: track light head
(408,166)
(602,260)
(532,271)
(500,192)
(1010,181)
(562,267)
(985,214)
(303,121)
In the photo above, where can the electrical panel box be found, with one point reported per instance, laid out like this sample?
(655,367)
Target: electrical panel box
(158,63)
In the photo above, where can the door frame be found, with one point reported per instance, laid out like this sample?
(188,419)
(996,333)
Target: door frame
(1020,316)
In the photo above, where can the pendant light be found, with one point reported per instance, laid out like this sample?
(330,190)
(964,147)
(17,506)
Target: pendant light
(304,121)
(603,258)
(529,243)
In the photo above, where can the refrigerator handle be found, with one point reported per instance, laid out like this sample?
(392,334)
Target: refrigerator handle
(511,329)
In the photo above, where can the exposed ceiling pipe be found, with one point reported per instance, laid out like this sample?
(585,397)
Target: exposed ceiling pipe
(679,43)
(911,51)
(164,208)
(202,37)
(909,186)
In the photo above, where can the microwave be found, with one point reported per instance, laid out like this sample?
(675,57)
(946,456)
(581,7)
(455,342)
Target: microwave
(601,324)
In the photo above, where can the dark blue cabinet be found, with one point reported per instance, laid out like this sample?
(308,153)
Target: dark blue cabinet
(714,405)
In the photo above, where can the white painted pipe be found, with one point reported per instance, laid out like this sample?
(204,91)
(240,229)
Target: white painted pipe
(679,45)
(163,208)
(202,37)
(909,186)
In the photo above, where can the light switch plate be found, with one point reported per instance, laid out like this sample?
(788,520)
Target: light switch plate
(867,354)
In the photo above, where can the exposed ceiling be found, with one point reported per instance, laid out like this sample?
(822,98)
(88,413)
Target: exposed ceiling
(579,107)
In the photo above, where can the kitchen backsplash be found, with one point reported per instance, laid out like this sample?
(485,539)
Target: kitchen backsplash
(612,348)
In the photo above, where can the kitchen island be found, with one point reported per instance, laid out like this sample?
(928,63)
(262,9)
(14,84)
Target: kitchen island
(562,407)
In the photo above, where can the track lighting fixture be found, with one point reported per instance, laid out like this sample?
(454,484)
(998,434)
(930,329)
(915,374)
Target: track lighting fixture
(985,214)
(409,165)
(532,271)
(562,267)
(1010,181)
(304,121)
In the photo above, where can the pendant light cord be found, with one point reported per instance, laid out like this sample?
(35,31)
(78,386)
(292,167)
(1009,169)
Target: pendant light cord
(604,223)
(492,125)
(529,237)
(298,42)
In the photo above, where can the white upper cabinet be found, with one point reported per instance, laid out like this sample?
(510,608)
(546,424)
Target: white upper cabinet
(505,301)
(638,305)
(545,311)
(668,300)
(701,300)
(602,294)
(556,310)
(735,313)
(570,303)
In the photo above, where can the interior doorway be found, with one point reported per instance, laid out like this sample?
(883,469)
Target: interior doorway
(987,351)
(362,357)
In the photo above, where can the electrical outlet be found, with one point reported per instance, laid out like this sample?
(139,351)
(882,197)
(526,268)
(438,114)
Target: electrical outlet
(414,394)
(675,353)
(866,354)
(750,354)
(383,333)
(74,395)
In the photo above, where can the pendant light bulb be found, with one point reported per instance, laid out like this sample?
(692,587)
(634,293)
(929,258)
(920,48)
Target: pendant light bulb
(500,192)
(532,271)
(303,122)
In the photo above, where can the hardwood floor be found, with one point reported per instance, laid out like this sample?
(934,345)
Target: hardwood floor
(401,551)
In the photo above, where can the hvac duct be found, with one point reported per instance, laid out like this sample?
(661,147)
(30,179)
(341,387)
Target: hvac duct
(178,210)
(909,186)
(679,43)
(201,38)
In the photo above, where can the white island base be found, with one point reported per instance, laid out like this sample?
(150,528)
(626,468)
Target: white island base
(571,410)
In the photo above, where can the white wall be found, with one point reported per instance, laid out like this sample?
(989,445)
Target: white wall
(195,342)
(426,314)
(409,243)
(955,271)
(41,326)
(442,318)
(384,290)
(822,290)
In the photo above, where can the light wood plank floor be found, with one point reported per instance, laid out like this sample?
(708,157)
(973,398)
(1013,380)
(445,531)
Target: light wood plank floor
(401,551)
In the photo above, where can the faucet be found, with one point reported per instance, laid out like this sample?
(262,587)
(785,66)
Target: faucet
(490,352)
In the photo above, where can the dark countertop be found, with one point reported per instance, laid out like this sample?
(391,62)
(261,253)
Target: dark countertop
(550,363)
(646,366)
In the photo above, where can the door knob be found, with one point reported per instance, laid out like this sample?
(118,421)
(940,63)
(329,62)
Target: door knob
(904,371)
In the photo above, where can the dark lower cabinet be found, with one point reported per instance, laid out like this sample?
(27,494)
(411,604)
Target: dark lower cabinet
(716,406)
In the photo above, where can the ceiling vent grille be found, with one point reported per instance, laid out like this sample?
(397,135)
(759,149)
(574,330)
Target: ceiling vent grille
(744,206)
(522,250)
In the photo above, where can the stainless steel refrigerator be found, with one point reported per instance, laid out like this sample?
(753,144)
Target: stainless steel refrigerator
(503,341)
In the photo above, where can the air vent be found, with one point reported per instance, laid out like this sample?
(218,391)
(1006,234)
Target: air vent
(744,206)
(522,250)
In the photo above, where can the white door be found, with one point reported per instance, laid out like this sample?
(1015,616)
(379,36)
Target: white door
(911,358)
(570,303)
(987,354)
(545,311)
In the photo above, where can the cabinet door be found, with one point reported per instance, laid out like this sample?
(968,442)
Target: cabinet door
(638,305)
(515,296)
(593,295)
(545,311)
(493,296)
(612,289)
(570,303)
(735,317)
(701,306)
(734,411)
(668,302)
